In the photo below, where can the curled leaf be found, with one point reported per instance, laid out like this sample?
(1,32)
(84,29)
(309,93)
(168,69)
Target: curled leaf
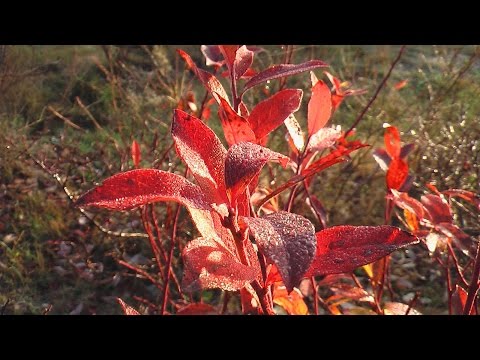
(344,248)
(209,265)
(323,139)
(287,240)
(213,55)
(278,71)
(244,161)
(295,132)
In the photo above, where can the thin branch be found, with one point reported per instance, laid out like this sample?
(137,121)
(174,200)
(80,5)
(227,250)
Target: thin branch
(382,84)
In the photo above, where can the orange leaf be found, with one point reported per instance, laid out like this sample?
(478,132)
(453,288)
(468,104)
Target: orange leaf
(136,154)
(401,84)
(293,303)
(319,107)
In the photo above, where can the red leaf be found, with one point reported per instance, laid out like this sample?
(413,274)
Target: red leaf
(272,112)
(278,71)
(243,61)
(213,55)
(465,195)
(319,107)
(344,248)
(136,154)
(133,188)
(127,309)
(400,84)
(459,299)
(437,211)
(397,173)
(209,81)
(288,241)
(392,142)
(210,265)
(235,128)
(202,151)
(244,161)
(404,201)
(197,309)
(229,53)
(335,82)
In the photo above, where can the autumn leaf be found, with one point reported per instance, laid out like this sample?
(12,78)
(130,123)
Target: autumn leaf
(235,127)
(287,240)
(202,151)
(291,301)
(136,154)
(197,309)
(278,71)
(272,112)
(319,107)
(344,248)
(210,265)
(244,161)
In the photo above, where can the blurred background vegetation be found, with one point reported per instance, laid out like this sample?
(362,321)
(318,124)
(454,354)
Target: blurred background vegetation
(68,115)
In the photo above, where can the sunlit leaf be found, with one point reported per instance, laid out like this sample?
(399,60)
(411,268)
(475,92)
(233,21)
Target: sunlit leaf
(136,154)
(202,151)
(235,128)
(292,301)
(278,71)
(272,112)
(244,161)
(397,173)
(344,248)
(209,265)
(287,240)
(319,107)
(392,142)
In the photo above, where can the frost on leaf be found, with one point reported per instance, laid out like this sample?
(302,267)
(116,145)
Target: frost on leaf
(288,241)
(209,265)
(213,55)
(396,308)
(244,161)
(133,188)
(278,71)
(344,248)
(295,132)
(202,151)
(324,138)
(272,112)
(235,127)
(319,107)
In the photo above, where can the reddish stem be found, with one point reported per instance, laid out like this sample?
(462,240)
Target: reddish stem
(474,283)
(169,262)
